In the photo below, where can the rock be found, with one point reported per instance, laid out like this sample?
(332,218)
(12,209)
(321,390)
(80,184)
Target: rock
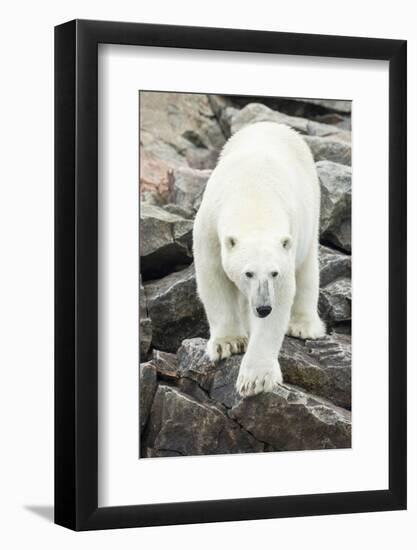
(189,186)
(224,108)
(165,241)
(155,175)
(145,324)
(166,364)
(176,130)
(197,411)
(178,210)
(256,112)
(335,301)
(313,109)
(337,105)
(175,310)
(147,388)
(160,151)
(151,197)
(330,149)
(335,119)
(321,367)
(336,199)
(333,265)
(178,122)
(218,380)
(180,425)
(293,420)
(202,159)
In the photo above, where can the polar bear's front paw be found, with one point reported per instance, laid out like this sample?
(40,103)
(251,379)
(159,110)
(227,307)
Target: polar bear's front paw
(258,377)
(306,328)
(220,348)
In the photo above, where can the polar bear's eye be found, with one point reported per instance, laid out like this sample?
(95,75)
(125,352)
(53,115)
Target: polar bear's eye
(274,273)
(249,274)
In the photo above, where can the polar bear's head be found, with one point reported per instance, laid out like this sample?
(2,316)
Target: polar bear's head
(258,267)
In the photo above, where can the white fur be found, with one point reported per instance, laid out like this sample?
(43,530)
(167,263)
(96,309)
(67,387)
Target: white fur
(256,244)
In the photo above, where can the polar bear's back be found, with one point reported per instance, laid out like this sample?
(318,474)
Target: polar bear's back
(265,180)
(270,137)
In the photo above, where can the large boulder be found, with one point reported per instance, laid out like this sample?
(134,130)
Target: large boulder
(256,112)
(335,300)
(336,201)
(196,409)
(176,130)
(322,367)
(165,241)
(333,265)
(336,112)
(293,420)
(189,187)
(175,310)
(335,150)
(182,425)
(180,119)
(178,210)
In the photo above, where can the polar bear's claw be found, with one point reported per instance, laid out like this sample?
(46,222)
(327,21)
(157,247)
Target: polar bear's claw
(221,348)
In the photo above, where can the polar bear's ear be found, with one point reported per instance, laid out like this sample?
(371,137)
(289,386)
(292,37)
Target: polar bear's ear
(286,242)
(230,242)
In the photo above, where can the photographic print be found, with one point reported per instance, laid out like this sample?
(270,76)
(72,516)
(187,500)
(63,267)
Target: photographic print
(245,274)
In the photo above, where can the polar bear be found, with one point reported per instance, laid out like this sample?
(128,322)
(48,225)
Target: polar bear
(256,251)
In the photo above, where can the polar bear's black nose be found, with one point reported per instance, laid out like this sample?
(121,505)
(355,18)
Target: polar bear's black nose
(264,311)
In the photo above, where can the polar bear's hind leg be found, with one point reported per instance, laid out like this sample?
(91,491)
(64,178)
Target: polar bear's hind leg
(305,322)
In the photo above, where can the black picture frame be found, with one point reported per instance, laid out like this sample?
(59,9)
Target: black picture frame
(76,271)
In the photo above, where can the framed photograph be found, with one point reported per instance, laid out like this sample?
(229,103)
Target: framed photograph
(230,253)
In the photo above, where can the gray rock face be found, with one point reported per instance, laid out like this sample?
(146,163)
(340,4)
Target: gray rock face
(223,109)
(333,265)
(202,159)
(337,105)
(145,324)
(147,389)
(336,201)
(330,149)
(293,420)
(173,208)
(165,241)
(175,310)
(180,424)
(196,409)
(256,112)
(322,110)
(322,367)
(179,121)
(189,187)
(176,130)
(335,301)
(166,364)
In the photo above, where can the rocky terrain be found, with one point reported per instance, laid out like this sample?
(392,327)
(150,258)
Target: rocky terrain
(188,405)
